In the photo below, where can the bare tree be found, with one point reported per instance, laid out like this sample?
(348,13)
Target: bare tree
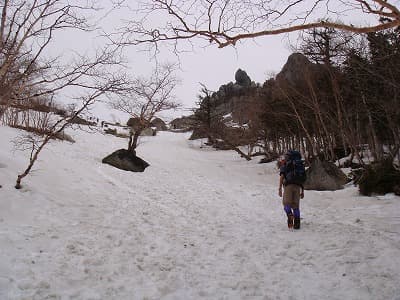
(225,22)
(100,83)
(325,46)
(28,74)
(26,31)
(148,97)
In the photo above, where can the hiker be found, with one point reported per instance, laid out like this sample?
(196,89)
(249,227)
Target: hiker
(292,177)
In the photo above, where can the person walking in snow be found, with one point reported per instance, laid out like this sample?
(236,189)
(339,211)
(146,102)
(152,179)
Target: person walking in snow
(291,179)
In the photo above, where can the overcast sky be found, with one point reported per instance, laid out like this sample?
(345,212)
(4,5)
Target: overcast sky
(211,66)
(214,67)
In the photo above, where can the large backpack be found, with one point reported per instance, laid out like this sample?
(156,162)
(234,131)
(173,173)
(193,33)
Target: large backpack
(295,172)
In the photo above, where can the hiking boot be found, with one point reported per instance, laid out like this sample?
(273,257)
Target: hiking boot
(296,223)
(290,221)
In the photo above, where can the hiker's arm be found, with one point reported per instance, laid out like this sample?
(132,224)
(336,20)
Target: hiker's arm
(302,192)
(280,185)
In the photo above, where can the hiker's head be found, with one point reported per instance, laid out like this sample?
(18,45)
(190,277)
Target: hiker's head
(281,160)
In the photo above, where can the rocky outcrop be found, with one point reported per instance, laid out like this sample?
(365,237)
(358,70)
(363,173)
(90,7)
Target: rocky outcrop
(296,67)
(242,78)
(241,99)
(324,176)
(232,97)
(125,160)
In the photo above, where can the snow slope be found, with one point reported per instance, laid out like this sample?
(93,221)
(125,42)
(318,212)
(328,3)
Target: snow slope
(197,224)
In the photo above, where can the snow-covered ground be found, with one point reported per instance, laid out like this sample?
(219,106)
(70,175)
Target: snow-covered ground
(197,224)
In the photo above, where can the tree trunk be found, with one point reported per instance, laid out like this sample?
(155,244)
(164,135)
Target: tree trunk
(32,161)
(133,140)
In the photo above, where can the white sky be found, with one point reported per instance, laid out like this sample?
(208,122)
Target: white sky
(211,66)
(214,67)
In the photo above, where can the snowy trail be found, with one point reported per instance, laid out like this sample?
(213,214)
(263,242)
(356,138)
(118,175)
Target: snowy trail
(197,224)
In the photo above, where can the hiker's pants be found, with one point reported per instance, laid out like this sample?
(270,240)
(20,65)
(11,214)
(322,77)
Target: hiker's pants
(291,195)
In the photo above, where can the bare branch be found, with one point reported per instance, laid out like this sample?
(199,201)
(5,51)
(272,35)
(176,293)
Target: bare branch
(224,22)
(147,97)
(26,30)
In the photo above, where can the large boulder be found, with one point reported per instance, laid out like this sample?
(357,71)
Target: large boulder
(380,178)
(198,133)
(324,176)
(185,123)
(159,124)
(242,78)
(125,160)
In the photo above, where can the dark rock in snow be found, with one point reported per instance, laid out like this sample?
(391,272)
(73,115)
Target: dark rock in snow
(380,178)
(159,124)
(125,160)
(184,123)
(324,176)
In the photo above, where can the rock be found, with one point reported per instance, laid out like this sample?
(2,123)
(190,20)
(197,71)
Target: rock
(198,133)
(125,160)
(324,176)
(294,69)
(81,121)
(242,78)
(184,123)
(380,178)
(159,124)
(266,160)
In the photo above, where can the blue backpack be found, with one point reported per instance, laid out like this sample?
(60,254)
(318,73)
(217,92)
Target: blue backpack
(295,172)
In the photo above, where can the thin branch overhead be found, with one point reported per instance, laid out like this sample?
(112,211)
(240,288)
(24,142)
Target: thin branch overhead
(224,23)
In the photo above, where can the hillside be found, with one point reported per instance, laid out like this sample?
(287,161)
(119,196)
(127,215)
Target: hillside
(197,224)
